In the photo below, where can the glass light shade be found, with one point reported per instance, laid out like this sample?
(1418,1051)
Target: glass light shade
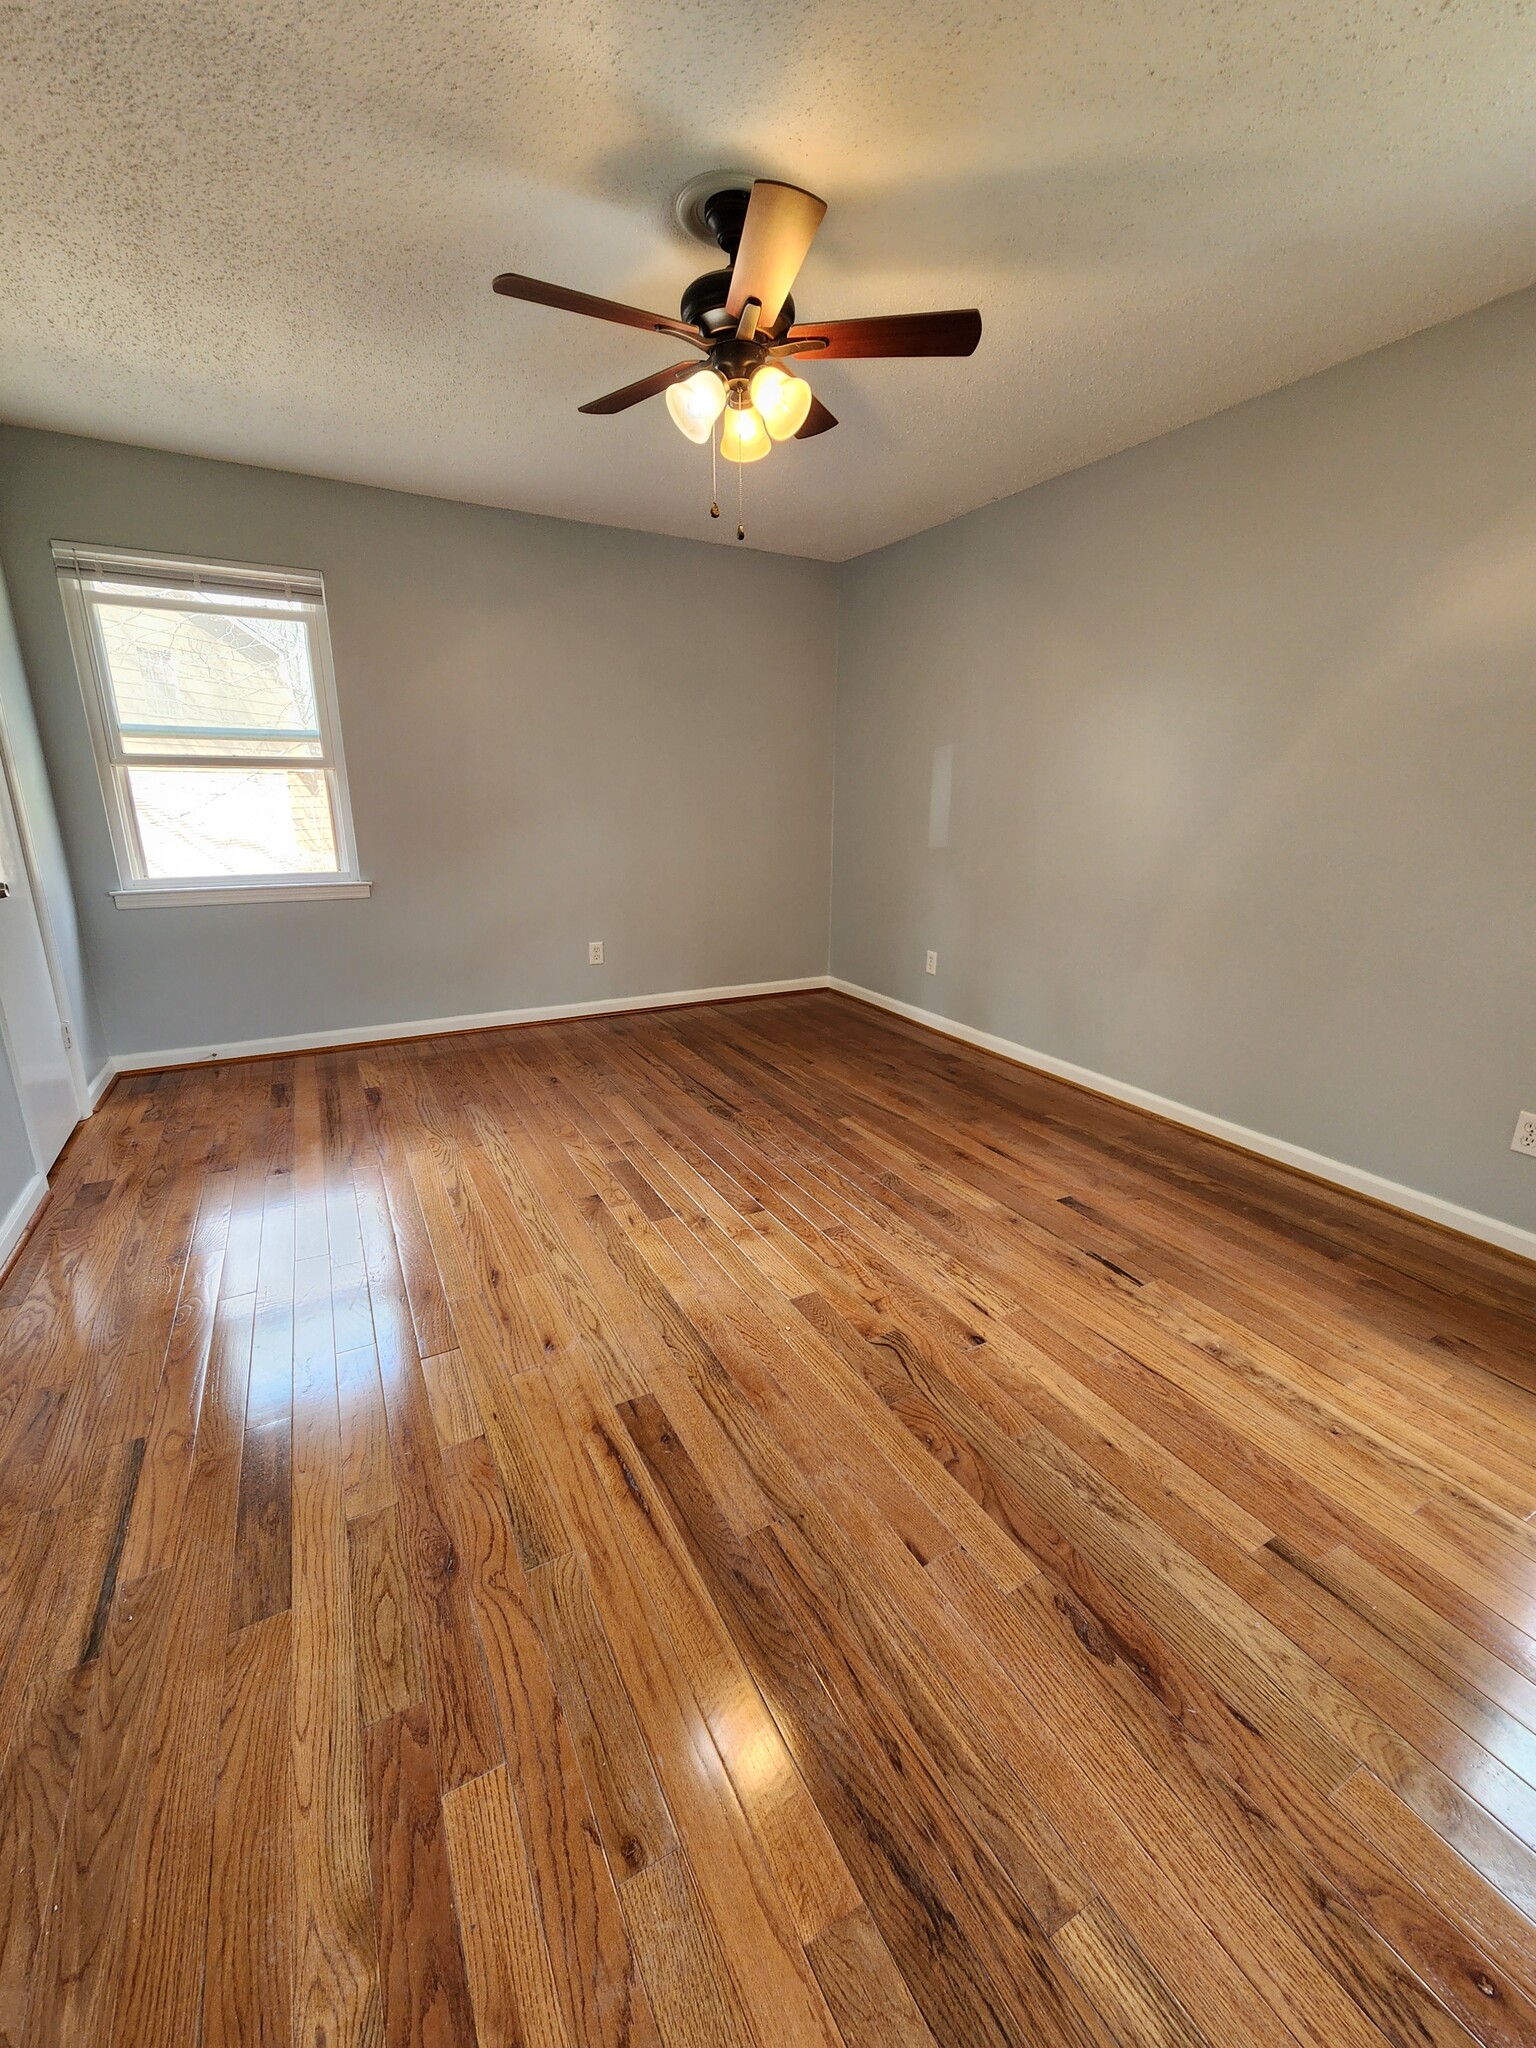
(782,400)
(697,403)
(743,437)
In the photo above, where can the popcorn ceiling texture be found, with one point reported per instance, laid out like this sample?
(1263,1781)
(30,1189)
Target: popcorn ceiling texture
(267,230)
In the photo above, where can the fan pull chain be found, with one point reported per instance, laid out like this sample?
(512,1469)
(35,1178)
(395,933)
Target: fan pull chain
(714,481)
(741,524)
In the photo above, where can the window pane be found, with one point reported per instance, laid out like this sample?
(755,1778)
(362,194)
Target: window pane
(233,821)
(171,671)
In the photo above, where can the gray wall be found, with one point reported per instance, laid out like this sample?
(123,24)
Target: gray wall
(553,733)
(1244,725)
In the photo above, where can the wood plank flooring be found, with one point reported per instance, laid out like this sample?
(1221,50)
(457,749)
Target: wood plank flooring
(745,1526)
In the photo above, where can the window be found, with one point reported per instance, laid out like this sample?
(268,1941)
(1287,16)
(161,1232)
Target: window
(212,709)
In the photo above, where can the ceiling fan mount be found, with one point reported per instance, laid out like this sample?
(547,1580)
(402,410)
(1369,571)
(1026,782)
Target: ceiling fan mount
(725,214)
(688,208)
(741,321)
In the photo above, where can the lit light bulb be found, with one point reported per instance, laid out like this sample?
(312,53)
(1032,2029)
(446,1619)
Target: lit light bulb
(697,403)
(782,400)
(743,437)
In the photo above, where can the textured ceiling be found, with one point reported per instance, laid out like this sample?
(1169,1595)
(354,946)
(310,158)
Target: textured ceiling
(266,229)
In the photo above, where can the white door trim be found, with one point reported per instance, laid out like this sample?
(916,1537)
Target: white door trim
(76,1064)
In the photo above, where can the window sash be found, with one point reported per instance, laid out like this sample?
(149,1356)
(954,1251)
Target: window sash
(294,763)
(213,757)
(216,596)
(267,877)
(209,755)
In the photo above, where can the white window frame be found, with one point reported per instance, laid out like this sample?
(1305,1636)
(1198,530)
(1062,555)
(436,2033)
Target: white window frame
(78,565)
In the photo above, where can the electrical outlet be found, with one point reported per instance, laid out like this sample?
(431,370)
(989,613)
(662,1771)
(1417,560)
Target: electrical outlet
(931,964)
(1524,1139)
(595,953)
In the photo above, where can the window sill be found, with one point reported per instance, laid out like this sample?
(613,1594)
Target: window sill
(213,894)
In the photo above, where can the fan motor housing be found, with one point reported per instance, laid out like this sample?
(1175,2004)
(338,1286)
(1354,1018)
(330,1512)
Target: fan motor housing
(703,303)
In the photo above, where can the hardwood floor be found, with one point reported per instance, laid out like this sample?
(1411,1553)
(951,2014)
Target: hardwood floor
(752,1525)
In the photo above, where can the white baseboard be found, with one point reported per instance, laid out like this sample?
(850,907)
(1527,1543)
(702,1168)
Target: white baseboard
(438,1027)
(1490,1229)
(18,1219)
(94,1090)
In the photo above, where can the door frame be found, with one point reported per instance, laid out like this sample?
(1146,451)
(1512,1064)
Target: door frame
(72,1054)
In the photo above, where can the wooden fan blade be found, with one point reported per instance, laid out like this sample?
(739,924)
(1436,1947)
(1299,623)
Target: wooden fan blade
(817,420)
(644,387)
(537,293)
(892,334)
(780,226)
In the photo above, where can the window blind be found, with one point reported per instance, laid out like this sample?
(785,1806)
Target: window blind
(211,580)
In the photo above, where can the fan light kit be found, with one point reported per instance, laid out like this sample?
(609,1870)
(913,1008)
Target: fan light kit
(741,319)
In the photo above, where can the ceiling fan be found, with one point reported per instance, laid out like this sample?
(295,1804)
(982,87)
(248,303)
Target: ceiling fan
(742,320)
